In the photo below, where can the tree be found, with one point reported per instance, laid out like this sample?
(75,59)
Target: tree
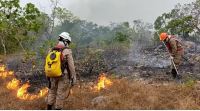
(182,26)
(62,14)
(18,25)
(182,20)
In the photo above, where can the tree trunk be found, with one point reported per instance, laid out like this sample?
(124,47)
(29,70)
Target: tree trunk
(3,44)
(198,29)
(20,44)
(55,3)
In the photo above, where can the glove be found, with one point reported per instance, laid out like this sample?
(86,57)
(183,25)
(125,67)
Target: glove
(171,57)
(73,81)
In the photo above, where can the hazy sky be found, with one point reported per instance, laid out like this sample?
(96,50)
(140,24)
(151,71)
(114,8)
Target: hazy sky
(104,11)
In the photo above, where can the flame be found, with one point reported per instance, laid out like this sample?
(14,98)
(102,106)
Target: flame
(43,92)
(23,94)
(2,68)
(103,82)
(14,84)
(4,73)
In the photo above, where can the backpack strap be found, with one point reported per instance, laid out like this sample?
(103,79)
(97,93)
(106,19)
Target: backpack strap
(63,62)
(64,48)
(59,48)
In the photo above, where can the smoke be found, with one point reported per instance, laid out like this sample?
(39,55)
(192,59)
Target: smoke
(145,54)
(105,11)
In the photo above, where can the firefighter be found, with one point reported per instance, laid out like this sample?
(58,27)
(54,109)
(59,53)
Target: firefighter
(59,85)
(176,51)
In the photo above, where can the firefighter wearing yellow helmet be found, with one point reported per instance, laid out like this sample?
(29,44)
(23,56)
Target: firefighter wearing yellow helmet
(176,50)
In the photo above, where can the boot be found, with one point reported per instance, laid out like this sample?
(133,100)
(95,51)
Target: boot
(49,107)
(174,73)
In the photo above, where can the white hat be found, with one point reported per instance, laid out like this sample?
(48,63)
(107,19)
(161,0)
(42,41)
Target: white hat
(65,36)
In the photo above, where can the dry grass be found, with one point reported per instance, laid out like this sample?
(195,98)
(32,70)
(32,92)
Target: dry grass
(9,100)
(124,94)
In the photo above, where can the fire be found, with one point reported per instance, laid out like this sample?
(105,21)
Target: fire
(103,82)
(22,92)
(14,84)
(2,68)
(43,92)
(4,73)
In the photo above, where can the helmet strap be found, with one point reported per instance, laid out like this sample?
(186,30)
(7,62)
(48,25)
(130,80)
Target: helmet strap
(66,43)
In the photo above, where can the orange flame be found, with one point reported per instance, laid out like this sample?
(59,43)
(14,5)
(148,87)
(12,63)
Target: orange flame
(14,84)
(43,92)
(103,82)
(2,68)
(4,73)
(23,94)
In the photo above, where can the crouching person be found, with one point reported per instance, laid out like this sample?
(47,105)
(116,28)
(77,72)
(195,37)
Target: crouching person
(60,71)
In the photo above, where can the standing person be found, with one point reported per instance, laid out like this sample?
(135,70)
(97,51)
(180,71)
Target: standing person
(58,85)
(176,51)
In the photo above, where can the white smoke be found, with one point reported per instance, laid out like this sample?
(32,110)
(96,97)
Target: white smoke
(147,58)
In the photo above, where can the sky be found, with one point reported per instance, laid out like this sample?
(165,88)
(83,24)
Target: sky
(103,12)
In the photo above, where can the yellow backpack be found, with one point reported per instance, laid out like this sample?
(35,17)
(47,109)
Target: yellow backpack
(53,64)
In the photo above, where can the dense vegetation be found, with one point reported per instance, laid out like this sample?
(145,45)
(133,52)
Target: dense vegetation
(21,26)
(182,20)
(18,25)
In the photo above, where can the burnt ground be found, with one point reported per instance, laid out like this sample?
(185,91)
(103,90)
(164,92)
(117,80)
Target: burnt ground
(136,85)
(148,66)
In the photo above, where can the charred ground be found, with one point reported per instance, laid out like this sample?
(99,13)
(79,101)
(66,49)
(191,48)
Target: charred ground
(136,83)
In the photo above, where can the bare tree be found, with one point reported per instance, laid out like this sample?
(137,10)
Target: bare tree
(54,4)
(3,43)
